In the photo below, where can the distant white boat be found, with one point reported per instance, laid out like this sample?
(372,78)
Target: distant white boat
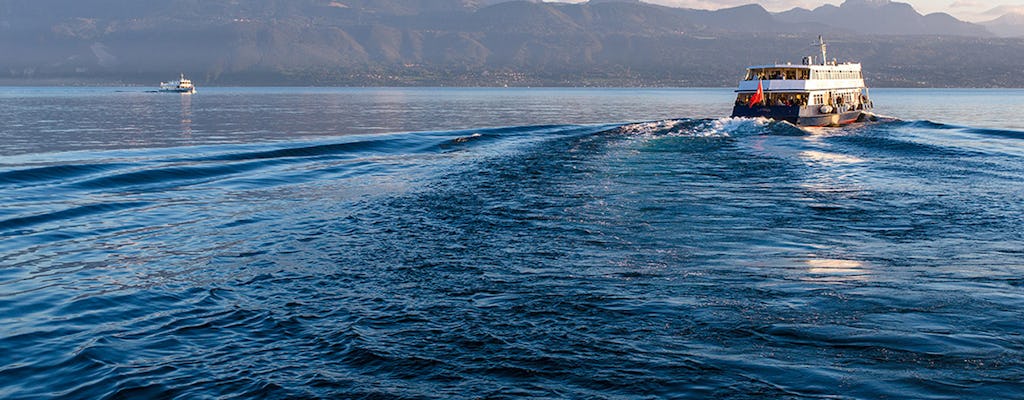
(179,86)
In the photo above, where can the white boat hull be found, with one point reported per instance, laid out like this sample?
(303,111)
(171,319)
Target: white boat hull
(179,86)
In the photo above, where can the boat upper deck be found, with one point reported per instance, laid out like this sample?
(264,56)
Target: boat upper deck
(802,78)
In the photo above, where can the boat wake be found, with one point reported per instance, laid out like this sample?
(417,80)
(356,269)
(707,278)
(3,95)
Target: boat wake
(619,256)
(996,132)
(42,193)
(720,127)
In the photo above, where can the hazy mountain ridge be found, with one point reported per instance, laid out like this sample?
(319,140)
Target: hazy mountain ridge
(883,17)
(476,42)
(1008,25)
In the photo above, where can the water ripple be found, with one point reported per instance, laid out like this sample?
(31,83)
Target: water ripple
(708,258)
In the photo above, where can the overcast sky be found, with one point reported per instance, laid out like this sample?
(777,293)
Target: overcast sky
(969,10)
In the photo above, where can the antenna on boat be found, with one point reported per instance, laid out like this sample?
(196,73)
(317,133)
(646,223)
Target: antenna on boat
(824,57)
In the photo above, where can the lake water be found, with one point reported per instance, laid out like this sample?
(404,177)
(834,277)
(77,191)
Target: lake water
(500,243)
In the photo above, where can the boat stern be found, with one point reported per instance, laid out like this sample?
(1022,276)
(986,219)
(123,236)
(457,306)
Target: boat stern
(778,113)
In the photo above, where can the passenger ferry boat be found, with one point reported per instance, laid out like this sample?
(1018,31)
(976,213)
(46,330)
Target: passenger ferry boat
(179,86)
(811,94)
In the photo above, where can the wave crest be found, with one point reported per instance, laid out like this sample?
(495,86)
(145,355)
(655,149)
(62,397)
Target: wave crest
(720,127)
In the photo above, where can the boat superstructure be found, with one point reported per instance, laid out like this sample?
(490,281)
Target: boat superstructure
(181,85)
(810,94)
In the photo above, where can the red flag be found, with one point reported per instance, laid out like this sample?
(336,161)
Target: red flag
(757,97)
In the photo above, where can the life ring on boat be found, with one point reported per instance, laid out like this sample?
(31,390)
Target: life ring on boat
(826,109)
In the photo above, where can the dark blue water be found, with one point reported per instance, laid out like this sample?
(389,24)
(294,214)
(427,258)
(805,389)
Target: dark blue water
(418,243)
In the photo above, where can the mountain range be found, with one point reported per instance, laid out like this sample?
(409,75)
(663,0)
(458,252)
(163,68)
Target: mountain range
(1007,25)
(485,42)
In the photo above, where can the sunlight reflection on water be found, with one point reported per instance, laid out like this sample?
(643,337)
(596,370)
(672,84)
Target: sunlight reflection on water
(833,270)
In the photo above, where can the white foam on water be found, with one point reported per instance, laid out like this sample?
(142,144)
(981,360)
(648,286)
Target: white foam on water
(651,128)
(732,125)
(722,127)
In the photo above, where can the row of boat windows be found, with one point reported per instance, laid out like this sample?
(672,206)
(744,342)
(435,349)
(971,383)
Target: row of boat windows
(838,98)
(803,99)
(775,99)
(799,74)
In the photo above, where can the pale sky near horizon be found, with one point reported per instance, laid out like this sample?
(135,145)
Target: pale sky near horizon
(968,10)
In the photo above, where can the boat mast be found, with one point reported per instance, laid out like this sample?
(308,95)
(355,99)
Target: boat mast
(824,57)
